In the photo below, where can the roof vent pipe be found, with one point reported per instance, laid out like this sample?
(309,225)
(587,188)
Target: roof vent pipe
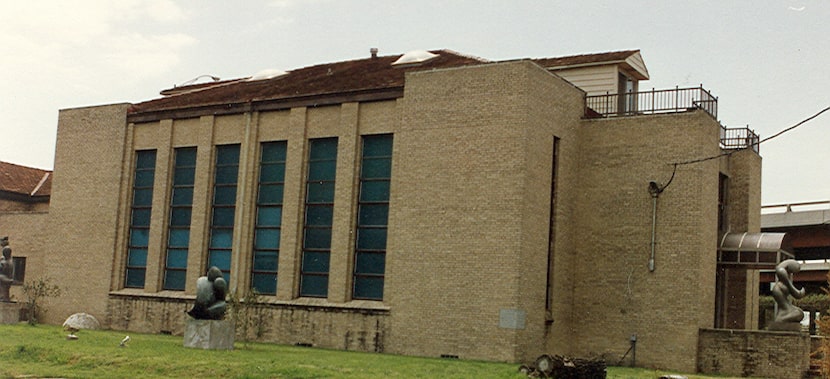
(374,52)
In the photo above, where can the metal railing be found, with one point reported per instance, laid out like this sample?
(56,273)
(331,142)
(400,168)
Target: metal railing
(802,206)
(651,102)
(739,138)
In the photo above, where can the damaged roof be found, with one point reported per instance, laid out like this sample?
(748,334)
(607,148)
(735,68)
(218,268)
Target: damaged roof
(355,76)
(371,78)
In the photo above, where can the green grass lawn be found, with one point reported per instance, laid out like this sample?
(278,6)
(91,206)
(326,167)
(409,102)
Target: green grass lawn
(43,351)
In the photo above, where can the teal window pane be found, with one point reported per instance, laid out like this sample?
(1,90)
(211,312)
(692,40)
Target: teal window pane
(272,172)
(376,168)
(314,286)
(377,145)
(227,154)
(224,195)
(267,239)
(315,262)
(320,192)
(269,216)
(322,170)
(371,238)
(184,176)
(270,194)
(266,261)
(370,263)
(324,148)
(317,238)
(174,280)
(371,214)
(180,217)
(144,178)
(273,151)
(183,196)
(143,197)
(134,278)
(368,287)
(141,217)
(137,258)
(319,215)
(226,174)
(186,156)
(178,238)
(139,237)
(177,258)
(220,259)
(223,216)
(374,190)
(221,238)
(145,159)
(265,284)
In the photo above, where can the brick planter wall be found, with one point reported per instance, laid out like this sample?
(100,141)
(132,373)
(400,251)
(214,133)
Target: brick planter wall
(783,355)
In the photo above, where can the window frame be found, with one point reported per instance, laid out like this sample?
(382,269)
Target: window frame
(370,210)
(144,164)
(315,260)
(181,187)
(224,164)
(274,159)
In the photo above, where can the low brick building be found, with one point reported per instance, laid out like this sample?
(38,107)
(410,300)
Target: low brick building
(24,206)
(431,204)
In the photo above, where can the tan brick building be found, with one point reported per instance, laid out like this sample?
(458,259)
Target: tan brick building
(429,204)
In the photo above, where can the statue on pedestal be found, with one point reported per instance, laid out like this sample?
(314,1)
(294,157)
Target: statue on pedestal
(6,270)
(210,296)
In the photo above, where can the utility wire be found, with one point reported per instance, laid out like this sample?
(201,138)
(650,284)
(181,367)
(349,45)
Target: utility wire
(744,148)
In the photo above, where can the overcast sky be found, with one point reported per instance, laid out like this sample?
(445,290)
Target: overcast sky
(766,60)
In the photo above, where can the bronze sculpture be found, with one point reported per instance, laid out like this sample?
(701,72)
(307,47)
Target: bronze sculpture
(210,296)
(6,270)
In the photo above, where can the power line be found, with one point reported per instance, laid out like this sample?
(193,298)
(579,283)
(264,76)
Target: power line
(760,142)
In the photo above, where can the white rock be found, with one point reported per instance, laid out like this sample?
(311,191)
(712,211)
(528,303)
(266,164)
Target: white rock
(80,321)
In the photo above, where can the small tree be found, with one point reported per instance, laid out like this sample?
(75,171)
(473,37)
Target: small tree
(36,292)
(245,314)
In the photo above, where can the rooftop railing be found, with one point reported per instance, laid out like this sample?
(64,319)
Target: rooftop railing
(652,102)
(669,101)
(739,138)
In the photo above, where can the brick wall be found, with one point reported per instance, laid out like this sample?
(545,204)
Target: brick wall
(27,232)
(85,208)
(615,294)
(744,353)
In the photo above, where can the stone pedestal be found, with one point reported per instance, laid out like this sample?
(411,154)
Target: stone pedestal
(209,334)
(10,312)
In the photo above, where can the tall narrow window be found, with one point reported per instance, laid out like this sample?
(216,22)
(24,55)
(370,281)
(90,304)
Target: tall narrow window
(268,218)
(552,230)
(145,169)
(224,207)
(178,228)
(723,208)
(319,211)
(372,217)
(19,270)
